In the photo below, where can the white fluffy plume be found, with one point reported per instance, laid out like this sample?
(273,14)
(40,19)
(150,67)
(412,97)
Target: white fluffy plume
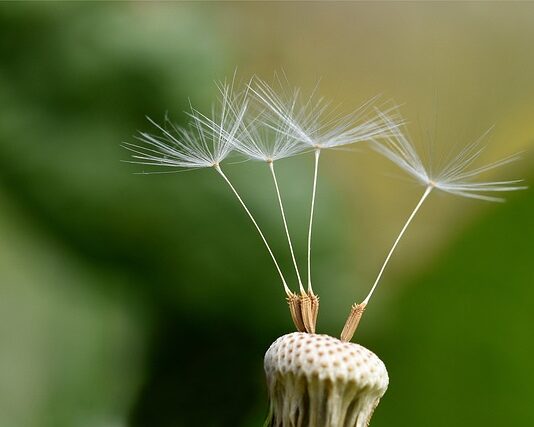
(206,141)
(456,177)
(312,120)
(264,143)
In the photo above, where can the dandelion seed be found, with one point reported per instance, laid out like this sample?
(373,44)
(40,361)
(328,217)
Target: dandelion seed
(269,146)
(455,178)
(263,143)
(205,143)
(312,122)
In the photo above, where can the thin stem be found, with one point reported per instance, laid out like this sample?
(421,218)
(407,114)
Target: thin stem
(317,154)
(286,289)
(423,197)
(271,167)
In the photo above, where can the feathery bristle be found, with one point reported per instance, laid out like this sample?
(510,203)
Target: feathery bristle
(263,143)
(312,120)
(205,142)
(455,177)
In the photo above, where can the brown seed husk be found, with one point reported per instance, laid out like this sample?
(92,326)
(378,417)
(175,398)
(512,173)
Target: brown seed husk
(293,301)
(352,322)
(309,304)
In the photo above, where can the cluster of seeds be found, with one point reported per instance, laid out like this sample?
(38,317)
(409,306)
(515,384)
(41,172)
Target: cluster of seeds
(263,124)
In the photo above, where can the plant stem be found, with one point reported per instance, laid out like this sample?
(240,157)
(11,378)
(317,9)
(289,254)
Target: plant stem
(316,169)
(271,167)
(423,197)
(219,170)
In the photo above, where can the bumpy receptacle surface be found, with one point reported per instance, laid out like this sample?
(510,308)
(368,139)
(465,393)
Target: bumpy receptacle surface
(320,381)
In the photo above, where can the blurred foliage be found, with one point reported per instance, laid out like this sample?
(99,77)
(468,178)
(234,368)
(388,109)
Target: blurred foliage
(148,300)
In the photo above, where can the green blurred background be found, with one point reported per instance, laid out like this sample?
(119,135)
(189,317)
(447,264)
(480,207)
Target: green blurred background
(134,300)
